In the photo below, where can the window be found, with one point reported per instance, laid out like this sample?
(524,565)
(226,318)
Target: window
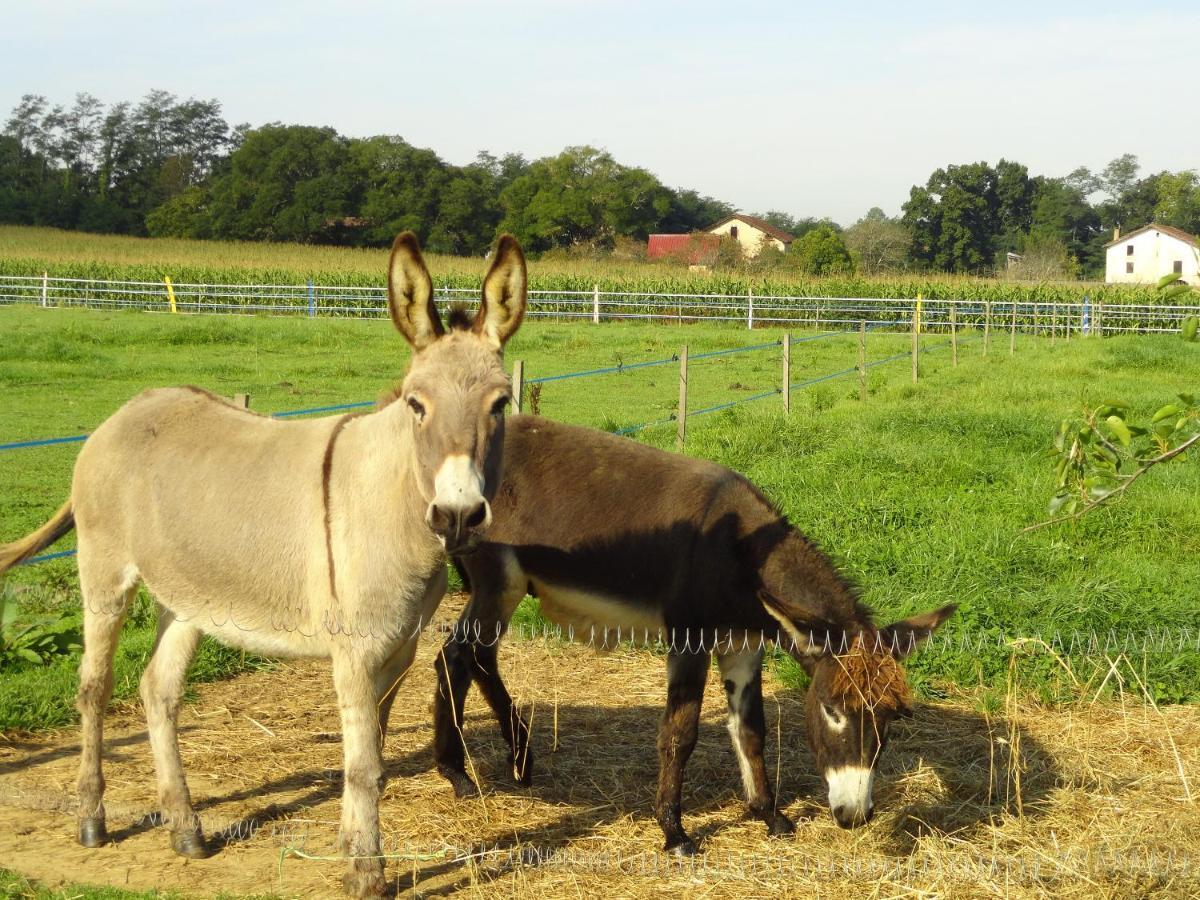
(733,232)
(1178,267)
(1128,268)
(1129,249)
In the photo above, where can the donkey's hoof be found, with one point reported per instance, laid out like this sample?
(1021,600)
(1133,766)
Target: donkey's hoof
(780,825)
(523,770)
(464,787)
(92,832)
(190,844)
(684,847)
(364,882)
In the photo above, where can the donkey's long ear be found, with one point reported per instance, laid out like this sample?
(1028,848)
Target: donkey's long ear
(902,638)
(410,293)
(806,638)
(503,294)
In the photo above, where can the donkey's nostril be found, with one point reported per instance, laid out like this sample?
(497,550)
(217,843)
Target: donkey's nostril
(477,516)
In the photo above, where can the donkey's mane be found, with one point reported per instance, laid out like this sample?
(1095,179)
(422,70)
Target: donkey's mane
(458,318)
(866,680)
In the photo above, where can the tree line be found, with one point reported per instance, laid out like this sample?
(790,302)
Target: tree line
(169,167)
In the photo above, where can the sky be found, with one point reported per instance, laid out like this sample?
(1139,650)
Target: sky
(812,109)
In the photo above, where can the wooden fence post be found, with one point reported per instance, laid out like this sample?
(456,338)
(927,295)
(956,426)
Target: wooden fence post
(953,333)
(242,400)
(787,373)
(862,361)
(595,304)
(987,326)
(518,384)
(1012,338)
(916,340)
(681,415)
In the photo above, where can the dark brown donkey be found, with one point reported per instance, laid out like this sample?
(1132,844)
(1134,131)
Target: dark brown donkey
(619,539)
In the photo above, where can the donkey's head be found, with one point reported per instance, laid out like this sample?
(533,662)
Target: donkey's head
(455,391)
(855,694)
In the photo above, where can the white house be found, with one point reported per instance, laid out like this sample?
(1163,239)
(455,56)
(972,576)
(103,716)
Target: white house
(1149,253)
(752,233)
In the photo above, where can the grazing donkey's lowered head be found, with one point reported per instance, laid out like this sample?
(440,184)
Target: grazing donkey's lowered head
(858,688)
(456,389)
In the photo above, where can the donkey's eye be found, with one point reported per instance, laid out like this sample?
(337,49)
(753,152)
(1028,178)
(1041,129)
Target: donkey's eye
(498,406)
(417,407)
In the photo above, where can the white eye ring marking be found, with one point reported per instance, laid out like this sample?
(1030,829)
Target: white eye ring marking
(834,720)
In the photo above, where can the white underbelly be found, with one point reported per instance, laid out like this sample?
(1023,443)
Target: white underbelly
(596,619)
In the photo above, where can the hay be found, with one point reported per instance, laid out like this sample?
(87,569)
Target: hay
(1085,800)
(865,680)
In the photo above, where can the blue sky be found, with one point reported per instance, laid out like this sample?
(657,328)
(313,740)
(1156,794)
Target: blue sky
(802,107)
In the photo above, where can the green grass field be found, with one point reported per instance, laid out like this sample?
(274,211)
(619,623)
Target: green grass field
(921,492)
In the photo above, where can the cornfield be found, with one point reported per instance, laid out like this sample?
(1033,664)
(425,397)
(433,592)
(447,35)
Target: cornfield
(30,251)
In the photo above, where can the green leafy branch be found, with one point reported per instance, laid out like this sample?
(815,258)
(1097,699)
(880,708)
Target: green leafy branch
(1099,459)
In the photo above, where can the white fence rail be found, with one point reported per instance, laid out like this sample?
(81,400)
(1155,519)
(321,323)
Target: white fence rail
(596,305)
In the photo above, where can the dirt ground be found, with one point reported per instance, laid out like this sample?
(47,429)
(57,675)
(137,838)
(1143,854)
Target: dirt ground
(1089,800)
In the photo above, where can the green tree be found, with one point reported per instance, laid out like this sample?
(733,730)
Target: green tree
(582,197)
(878,243)
(285,183)
(821,252)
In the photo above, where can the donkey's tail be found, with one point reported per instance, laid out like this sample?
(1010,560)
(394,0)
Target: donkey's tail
(18,551)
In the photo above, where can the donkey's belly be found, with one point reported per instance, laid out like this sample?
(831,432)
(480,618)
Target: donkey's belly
(592,617)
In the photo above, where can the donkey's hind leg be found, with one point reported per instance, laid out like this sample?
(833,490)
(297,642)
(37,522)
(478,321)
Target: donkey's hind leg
(741,673)
(162,690)
(105,604)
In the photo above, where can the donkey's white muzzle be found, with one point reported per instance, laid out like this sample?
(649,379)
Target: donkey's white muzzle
(459,513)
(850,790)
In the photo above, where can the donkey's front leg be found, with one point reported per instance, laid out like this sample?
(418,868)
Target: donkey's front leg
(686,674)
(741,673)
(363,772)
(453,667)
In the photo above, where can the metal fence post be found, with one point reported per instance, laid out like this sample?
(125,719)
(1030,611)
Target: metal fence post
(45,288)
(1012,338)
(681,415)
(787,373)
(312,300)
(518,384)
(916,340)
(1099,327)
(953,333)
(987,326)
(862,361)
(595,304)
(750,308)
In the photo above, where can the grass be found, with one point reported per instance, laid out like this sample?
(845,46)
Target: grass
(18,887)
(921,491)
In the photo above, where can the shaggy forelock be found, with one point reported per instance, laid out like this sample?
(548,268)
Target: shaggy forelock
(861,680)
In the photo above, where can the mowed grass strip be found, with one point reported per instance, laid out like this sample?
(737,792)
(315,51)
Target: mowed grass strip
(921,492)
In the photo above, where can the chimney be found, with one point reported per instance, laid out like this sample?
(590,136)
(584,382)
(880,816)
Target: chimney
(1117,233)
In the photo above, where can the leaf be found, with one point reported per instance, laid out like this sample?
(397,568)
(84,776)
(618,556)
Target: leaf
(1174,291)
(1166,412)
(1169,278)
(29,655)
(1056,503)
(1190,325)
(1117,404)
(1119,429)
(1189,399)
